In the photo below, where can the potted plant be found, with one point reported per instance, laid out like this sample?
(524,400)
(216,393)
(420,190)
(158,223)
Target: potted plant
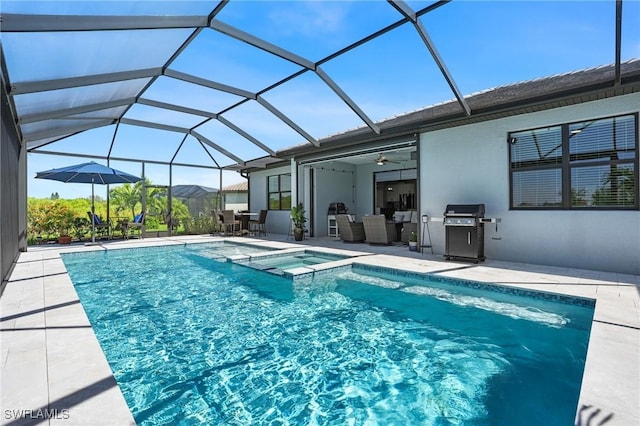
(298,218)
(63,220)
(413,242)
(64,236)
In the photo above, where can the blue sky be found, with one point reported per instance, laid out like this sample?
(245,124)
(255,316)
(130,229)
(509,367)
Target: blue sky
(484,44)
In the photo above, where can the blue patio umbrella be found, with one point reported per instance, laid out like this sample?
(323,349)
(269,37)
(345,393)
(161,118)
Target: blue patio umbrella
(92,173)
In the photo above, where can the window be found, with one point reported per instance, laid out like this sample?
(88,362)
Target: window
(586,165)
(279,192)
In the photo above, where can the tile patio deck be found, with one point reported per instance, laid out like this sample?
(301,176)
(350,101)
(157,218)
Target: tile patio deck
(52,370)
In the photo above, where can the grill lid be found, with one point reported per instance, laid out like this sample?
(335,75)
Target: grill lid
(468,210)
(337,208)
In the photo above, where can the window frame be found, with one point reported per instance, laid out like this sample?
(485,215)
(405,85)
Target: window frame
(566,167)
(279,191)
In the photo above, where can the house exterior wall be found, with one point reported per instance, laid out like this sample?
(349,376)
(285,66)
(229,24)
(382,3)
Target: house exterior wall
(278,221)
(335,183)
(470,164)
(236,201)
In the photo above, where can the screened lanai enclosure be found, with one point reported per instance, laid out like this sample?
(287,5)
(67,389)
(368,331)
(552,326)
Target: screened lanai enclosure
(193,92)
(218,84)
(199,200)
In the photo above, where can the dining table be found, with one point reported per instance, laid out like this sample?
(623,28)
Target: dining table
(244,218)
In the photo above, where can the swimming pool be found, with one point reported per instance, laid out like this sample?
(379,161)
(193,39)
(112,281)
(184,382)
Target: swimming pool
(290,260)
(196,341)
(221,250)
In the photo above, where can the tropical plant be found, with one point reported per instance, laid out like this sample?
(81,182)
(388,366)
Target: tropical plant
(81,226)
(47,218)
(298,217)
(179,210)
(156,198)
(126,198)
(61,219)
(199,225)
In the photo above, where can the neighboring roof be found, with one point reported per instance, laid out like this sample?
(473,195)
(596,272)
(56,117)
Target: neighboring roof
(517,98)
(237,187)
(192,191)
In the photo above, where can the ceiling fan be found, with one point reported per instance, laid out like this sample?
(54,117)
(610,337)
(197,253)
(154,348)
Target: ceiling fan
(382,160)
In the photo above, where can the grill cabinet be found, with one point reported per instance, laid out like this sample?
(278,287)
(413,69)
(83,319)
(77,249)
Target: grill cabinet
(464,232)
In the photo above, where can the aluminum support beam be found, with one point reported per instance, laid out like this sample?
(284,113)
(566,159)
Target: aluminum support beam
(294,182)
(246,135)
(208,83)
(89,80)
(179,148)
(130,160)
(216,147)
(261,44)
(403,8)
(618,51)
(67,112)
(443,68)
(381,32)
(113,139)
(346,99)
(204,148)
(262,101)
(178,108)
(152,125)
(66,131)
(296,59)
(48,23)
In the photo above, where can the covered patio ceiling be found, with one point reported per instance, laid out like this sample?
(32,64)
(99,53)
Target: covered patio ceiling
(218,84)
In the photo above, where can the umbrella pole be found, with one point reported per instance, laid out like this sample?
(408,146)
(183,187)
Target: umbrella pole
(93,214)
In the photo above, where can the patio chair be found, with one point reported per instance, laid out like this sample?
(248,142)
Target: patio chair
(136,225)
(229,221)
(378,231)
(121,227)
(259,225)
(350,232)
(102,227)
(216,224)
(171,222)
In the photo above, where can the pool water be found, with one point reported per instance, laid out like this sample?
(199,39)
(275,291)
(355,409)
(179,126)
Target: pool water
(196,341)
(296,260)
(223,249)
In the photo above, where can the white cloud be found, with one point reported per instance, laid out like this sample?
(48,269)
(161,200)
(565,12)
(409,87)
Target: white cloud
(312,19)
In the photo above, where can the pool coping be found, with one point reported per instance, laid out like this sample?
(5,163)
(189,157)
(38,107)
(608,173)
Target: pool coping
(53,370)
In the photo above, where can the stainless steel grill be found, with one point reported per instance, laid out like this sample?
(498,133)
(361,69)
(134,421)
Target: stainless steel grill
(464,231)
(337,208)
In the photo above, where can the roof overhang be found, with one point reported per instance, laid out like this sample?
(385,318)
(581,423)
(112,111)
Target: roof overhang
(521,98)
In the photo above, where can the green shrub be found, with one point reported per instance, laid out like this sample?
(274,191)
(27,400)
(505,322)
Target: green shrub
(199,225)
